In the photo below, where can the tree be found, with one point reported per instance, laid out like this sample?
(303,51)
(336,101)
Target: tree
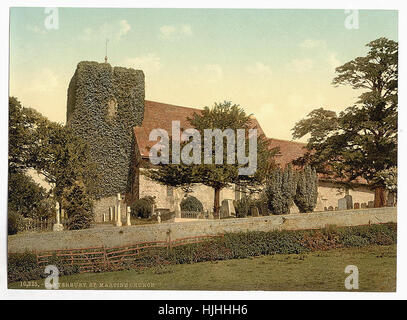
(362,140)
(52,150)
(218,176)
(306,194)
(78,206)
(280,190)
(24,194)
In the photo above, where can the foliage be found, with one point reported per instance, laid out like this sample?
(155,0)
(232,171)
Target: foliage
(24,266)
(362,140)
(280,190)
(104,104)
(142,207)
(231,246)
(78,206)
(191,203)
(51,149)
(13,221)
(217,176)
(387,178)
(307,189)
(45,209)
(24,194)
(242,206)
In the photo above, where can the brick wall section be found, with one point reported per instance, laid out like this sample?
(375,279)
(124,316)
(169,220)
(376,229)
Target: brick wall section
(119,236)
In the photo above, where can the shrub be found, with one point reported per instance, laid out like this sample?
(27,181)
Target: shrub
(242,207)
(79,207)
(142,207)
(24,266)
(307,189)
(191,203)
(13,222)
(280,190)
(24,194)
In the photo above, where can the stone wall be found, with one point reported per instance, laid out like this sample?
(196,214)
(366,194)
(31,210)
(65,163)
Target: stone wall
(110,236)
(329,194)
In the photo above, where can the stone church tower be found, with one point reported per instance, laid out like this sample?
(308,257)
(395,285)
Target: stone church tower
(104,105)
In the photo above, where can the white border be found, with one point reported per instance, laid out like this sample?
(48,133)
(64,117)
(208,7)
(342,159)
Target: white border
(234,295)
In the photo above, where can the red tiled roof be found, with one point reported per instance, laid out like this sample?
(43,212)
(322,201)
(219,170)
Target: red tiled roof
(159,115)
(289,150)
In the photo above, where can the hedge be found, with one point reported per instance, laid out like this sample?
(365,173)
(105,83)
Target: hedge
(236,246)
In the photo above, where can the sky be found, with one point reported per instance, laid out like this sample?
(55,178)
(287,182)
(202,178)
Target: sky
(277,64)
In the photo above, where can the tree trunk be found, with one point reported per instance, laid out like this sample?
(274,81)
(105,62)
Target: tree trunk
(216,204)
(379,197)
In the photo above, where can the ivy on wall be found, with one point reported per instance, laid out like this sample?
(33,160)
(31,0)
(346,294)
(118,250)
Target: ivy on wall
(104,104)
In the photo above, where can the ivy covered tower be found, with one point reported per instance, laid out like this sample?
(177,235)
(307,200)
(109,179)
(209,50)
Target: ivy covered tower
(104,105)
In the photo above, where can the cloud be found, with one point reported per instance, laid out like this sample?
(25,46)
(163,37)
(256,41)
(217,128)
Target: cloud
(209,73)
(301,65)
(259,69)
(313,43)
(171,32)
(112,31)
(149,63)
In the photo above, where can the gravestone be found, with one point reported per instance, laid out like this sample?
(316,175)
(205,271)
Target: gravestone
(342,204)
(254,211)
(356,205)
(227,208)
(336,208)
(349,202)
(128,215)
(159,217)
(330,208)
(370,204)
(363,205)
(325,209)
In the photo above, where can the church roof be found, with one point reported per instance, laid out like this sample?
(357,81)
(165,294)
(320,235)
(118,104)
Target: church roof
(159,115)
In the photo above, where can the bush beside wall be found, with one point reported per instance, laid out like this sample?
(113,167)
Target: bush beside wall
(234,246)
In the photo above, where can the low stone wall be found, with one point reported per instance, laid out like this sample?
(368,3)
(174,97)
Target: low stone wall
(110,236)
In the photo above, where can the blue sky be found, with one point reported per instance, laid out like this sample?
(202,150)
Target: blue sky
(278,64)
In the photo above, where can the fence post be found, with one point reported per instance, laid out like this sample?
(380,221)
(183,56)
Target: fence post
(104,258)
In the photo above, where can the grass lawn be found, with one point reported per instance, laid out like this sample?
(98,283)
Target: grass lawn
(316,271)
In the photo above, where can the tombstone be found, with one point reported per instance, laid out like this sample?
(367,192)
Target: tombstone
(370,204)
(349,202)
(210,216)
(128,222)
(254,211)
(356,205)
(159,217)
(342,204)
(363,205)
(110,214)
(336,208)
(104,217)
(227,208)
(330,208)
(57,225)
(325,209)
(118,217)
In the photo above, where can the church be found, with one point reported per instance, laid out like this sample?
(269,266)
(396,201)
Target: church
(106,106)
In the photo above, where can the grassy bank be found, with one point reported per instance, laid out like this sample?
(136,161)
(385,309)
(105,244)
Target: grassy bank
(313,271)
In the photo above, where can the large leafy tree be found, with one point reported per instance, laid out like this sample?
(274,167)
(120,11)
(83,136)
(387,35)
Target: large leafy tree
(218,176)
(361,141)
(49,148)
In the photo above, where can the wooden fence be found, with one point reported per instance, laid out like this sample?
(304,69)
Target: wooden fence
(97,259)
